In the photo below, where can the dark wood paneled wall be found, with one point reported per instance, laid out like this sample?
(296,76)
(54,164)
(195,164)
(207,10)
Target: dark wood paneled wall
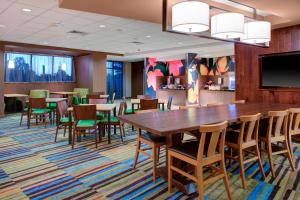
(137,78)
(248,69)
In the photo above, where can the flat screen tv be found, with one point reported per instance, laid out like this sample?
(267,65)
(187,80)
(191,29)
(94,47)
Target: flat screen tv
(280,70)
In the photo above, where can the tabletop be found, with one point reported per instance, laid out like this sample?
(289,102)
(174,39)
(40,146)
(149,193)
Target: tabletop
(15,95)
(53,100)
(64,93)
(137,101)
(100,107)
(177,121)
(104,96)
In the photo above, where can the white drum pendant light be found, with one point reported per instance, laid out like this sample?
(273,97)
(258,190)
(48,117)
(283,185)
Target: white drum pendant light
(227,25)
(257,32)
(190,17)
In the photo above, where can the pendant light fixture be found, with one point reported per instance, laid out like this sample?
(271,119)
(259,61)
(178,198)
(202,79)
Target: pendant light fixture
(190,17)
(257,32)
(227,25)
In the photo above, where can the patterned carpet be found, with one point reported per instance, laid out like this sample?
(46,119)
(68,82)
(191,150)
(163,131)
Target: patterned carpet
(33,166)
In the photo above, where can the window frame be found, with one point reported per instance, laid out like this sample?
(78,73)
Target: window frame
(39,54)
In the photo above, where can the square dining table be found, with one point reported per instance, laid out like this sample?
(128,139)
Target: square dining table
(104,108)
(15,97)
(138,102)
(172,123)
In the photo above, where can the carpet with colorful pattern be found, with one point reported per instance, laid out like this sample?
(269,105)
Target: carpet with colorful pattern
(33,166)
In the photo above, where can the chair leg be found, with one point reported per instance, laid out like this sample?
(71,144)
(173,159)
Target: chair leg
(154,161)
(65,130)
(56,133)
(269,151)
(121,132)
(96,138)
(73,138)
(225,179)
(137,152)
(45,121)
(158,152)
(259,162)
(200,182)
(242,170)
(123,127)
(100,132)
(290,158)
(169,174)
(21,118)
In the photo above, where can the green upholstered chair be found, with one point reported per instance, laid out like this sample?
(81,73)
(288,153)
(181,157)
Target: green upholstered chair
(38,108)
(63,114)
(39,93)
(82,93)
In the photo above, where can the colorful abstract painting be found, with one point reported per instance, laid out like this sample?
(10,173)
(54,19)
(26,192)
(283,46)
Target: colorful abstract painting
(198,66)
(156,68)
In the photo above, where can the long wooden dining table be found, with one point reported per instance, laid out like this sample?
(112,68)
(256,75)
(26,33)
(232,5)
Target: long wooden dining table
(171,124)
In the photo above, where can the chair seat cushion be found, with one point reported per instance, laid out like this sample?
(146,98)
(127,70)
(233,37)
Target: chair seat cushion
(189,149)
(153,138)
(75,100)
(86,123)
(66,120)
(113,119)
(100,116)
(130,111)
(51,106)
(40,111)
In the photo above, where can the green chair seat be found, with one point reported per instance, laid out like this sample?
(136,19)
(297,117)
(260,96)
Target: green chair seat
(112,119)
(65,120)
(86,123)
(40,111)
(25,109)
(100,116)
(51,106)
(84,100)
(129,111)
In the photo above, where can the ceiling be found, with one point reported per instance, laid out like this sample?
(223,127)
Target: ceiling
(48,24)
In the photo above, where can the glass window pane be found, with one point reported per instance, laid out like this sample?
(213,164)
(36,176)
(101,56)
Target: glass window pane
(63,68)
(42,66)
(18,67)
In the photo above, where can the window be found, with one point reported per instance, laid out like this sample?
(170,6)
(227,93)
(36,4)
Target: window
(21,67)
(114,79)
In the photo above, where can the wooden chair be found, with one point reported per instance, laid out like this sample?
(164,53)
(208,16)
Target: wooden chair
(63,114)
(208,153)
(115,121)
(294,128)
(38,108)
(239,101)
(24,108)
(92,96)
(85,119)
(169,104)
(275,133)
(148,104)
(154,142)
(245,141)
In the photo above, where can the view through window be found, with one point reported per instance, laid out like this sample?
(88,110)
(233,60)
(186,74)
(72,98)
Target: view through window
(21,67)
(114,78)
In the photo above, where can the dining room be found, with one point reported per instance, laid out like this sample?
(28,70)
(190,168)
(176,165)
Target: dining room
(138,99)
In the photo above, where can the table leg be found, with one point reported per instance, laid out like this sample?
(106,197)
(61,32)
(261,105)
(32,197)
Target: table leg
(132,111)
(70,127)
(109,127)
(115,127)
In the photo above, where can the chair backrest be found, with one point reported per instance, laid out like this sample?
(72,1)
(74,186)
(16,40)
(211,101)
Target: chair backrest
(39,93)
(122,108)
(84,112)
(62,108)
(169,104)
(93,96)
(212,141)
(294,121)
(82,92)
(148,104)
(97,101)
(278,122)
(239,101)
(144,97)
(38,103)
(249,128)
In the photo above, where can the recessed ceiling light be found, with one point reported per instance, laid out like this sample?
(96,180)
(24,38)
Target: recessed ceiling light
(26,10)
(102,26)
(148,36)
